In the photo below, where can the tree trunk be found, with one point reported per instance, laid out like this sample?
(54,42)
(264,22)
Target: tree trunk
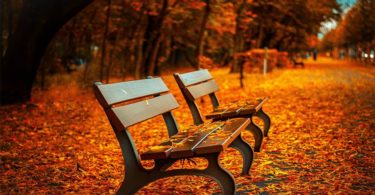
(241,73)
(1,31)
(152,37)
(10,21)
(154,56)
(108,74)
(199,45)
(237,39)
(260,37)
(138,33)
(104,41)
(139,55)
(41,20)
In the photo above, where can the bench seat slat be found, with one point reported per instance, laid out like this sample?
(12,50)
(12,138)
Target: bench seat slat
(140,111)
(163,150)
(199,90)
(157,152)
(219,141)
(240,110)
(212,137)
(186,149)
(124,91)
(227,113)
(192,78)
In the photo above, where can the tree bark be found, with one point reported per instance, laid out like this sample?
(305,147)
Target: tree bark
(139,34)
(41,20)
(153,38)
(199,45)
(104,40)
(1,31)
(237,38)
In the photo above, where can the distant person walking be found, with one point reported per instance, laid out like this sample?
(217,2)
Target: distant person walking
(315,54)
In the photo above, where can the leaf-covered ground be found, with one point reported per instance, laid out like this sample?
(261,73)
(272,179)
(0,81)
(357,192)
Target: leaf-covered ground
(321,140)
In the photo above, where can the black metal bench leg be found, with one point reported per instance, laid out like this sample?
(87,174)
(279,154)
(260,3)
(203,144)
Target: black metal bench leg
(266,120)
(132,185)
(220,175)
(258,134)
(246,152)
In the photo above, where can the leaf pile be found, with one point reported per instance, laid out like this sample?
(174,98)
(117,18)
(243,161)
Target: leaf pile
(321,139)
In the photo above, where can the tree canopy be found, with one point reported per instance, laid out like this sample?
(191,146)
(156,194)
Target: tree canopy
(143,37)
(356,29)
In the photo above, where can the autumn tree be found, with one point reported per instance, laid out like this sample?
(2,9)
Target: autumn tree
(287,25)
(357,27)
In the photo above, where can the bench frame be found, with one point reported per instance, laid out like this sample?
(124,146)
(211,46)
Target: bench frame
(132,163)
(203,76)
(296,63)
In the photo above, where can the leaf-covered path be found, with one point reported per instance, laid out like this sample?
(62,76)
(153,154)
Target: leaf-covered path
(321,139)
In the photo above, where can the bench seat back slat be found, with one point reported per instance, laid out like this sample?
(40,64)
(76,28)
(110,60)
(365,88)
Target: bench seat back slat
(140,111)
(202,89)
(125,91)
(195,77)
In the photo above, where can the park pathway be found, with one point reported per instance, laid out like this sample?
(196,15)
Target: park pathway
(322,138)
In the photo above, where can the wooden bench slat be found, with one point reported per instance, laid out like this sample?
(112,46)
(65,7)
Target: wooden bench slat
(124,91)
(253,108)
(157,152)
(213,137)
(220,140)
(199,90)
(192,78)
(186,149)
(237,110)
(140,111)
(228,113)
(182,144)
(163,150)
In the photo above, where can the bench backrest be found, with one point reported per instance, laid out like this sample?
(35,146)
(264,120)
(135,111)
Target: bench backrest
(195,85)
(120,101)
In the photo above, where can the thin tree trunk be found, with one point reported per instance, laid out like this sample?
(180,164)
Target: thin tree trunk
(71,47)
(86,37)
(85,73)
(153,33)
(139,55)
(10,19)
(104,41)
(154,55)
(237,38)
(71,42)
(138,33)
(86,28)
(241,73)
(199,44)
(1,31)
(43,76)
(261,37)
(109,65)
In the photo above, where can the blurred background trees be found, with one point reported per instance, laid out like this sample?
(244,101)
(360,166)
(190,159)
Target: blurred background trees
(354,36)
(136,38)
